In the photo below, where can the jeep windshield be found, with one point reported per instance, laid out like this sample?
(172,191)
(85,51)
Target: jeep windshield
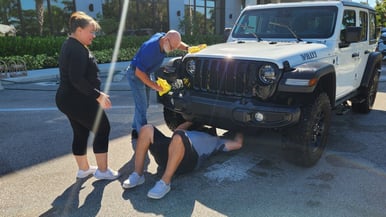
(305,22)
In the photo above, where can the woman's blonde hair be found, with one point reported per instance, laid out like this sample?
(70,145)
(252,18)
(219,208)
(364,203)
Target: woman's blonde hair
(82,20)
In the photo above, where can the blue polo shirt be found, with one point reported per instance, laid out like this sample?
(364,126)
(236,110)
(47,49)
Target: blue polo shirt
(149,56)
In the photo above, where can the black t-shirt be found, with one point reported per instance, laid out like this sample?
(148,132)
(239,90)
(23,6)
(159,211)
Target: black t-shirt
(79,72)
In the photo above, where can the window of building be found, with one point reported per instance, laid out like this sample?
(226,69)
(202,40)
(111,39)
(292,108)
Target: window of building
(201,17)
(145,17)
(48,18)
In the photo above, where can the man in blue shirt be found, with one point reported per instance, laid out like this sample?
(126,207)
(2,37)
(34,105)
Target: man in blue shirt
(147,60)
(180,154)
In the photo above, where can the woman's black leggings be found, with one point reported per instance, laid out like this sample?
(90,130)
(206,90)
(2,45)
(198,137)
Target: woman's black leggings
(82,113)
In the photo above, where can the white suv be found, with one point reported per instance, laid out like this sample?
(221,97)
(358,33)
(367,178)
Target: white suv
(284,66)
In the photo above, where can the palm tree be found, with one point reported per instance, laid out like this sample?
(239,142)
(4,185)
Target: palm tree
(20,14)
(40,15)
(50,16)
(4,10)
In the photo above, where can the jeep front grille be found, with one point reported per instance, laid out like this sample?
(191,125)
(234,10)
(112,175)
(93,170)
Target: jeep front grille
(228,77)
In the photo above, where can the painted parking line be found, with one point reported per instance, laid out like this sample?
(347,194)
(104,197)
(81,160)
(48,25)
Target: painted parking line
(56,109)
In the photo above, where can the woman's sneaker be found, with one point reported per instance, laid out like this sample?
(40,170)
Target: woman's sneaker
(85,173)
(109,174)
(133,180)
(159,190)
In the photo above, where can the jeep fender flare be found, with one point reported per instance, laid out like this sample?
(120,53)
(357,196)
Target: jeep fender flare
(374,60)
(323,75)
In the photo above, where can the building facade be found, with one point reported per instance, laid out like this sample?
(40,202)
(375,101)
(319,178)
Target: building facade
(42,17)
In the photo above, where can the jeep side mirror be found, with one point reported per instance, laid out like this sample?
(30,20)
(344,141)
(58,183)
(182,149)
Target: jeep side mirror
(350,35)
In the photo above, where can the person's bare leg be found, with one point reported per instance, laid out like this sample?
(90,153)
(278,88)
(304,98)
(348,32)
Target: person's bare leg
(101,159)
(82,162)
(176,154)
(145,138)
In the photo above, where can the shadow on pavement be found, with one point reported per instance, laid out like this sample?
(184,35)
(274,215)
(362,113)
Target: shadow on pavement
(67,204)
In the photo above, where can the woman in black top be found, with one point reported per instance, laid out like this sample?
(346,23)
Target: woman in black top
(80,99)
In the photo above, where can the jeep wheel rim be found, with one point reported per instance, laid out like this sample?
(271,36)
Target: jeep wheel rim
(373,90)
(317,132)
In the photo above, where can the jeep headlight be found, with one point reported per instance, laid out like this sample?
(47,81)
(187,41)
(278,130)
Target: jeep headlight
(191,67)
(266,74)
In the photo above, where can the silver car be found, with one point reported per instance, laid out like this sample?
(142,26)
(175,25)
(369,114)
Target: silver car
(382,44)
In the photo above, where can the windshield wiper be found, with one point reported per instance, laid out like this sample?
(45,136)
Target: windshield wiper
(248,30)
(256,36)
(287,27)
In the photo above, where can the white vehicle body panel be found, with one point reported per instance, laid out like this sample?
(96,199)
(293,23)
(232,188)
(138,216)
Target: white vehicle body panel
(349,62)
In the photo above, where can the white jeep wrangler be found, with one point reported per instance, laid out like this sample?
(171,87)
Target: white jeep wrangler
(284,66)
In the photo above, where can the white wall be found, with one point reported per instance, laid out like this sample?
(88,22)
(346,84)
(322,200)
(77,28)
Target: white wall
(174,20)
(250,2)
(84,5)
(232,12)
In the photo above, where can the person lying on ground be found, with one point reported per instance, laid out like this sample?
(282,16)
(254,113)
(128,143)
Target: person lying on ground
(182,153)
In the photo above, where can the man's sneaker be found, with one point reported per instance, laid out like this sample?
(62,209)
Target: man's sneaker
(109,174)
(85,173)
(159,190)
(133,180)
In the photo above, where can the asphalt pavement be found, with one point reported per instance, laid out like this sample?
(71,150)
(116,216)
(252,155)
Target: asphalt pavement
(37,169)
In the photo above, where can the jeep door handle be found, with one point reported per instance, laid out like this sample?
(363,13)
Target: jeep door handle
(367,51)
(355,55)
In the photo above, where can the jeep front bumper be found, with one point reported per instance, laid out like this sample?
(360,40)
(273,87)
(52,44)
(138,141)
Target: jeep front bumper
(231,113)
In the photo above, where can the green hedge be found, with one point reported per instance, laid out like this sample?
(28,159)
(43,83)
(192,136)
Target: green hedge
(42,52)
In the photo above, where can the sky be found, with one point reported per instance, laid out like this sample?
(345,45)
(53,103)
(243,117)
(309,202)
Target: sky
(371,2)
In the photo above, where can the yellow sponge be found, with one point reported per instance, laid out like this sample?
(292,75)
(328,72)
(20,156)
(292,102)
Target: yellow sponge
(195,49)
(165,86)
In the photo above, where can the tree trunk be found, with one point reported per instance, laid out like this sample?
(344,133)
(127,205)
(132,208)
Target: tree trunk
(50,17)
(40,15)
(5,7)
(136,14)
(20,14)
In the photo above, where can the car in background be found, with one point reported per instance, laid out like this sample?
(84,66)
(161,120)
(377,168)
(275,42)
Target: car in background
(381,47)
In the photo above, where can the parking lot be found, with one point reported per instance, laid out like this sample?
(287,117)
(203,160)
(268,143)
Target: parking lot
(38,171)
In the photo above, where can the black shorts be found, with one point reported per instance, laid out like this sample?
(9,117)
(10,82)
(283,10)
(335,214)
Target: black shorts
(160,151)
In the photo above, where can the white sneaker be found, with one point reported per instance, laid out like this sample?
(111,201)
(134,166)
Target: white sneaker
(109,174)
(133,180)
(85,173)
(159,190)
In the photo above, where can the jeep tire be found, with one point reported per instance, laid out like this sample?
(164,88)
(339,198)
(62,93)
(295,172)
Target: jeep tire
(367,95)
(305,142)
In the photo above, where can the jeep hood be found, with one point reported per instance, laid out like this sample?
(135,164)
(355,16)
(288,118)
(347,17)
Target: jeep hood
(276,52)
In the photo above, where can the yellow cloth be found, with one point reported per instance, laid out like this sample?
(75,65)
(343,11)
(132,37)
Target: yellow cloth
(165,86)
(195,49)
